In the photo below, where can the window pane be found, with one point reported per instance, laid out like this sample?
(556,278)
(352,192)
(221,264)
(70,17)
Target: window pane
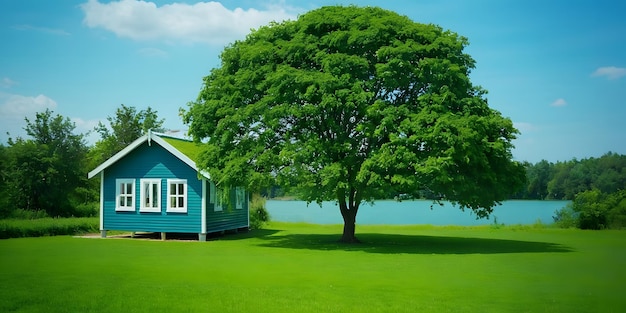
(172,189)
(181,202)
(146,196)
(129,189)
(129,201)
(173,202)
(154,195)
(181,189)
(121,204)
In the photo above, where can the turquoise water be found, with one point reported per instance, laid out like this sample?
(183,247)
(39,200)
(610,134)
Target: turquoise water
(414,212)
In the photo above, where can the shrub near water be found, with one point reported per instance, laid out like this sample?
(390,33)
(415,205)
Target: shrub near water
(15,228)
(258,213)
(593,209)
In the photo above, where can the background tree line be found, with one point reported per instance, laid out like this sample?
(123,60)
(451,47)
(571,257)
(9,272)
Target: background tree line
(45,174)
(564,180)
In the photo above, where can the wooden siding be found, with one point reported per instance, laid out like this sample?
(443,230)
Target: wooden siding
(152,162)
(229,217)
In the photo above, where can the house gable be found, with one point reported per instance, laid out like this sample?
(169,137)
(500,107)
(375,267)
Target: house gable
(152,163)
(150,139)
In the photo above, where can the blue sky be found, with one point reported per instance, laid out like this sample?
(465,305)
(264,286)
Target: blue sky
(556,68)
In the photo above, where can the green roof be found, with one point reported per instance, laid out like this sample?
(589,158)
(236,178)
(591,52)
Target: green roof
(189,148)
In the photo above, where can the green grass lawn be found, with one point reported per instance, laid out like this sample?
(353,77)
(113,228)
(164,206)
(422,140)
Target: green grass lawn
(301,268)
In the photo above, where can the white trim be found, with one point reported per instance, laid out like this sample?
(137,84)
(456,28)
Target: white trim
(152,137)
(176,181)
(151,195)
(117,156)
(118,194)
(203,208)
(101,201)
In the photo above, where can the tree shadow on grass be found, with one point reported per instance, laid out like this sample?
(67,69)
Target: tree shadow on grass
(418,244)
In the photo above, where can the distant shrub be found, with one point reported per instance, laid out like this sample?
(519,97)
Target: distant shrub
(22,214)
(15,228)
(593,209)
(616,216)
(85,210)
(258,213)
(565,217)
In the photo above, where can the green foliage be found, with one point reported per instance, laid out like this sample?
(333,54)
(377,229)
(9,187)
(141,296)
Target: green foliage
(126,126)
(259,216)
(15,228)
(591,208)
(351,104)
(44,171)
(27,215)
(565,217)
(594,209)
(5,173)
(563,180)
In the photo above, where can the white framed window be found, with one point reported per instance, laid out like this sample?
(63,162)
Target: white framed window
(240,197)
(215,197)
(177,195)
(125,195)
(150,194)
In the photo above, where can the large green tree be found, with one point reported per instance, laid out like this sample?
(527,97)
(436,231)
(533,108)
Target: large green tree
(350,104)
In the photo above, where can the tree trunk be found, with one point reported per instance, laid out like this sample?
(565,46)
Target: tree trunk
(348,212)
(349,227)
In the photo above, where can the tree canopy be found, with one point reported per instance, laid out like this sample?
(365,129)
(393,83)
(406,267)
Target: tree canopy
(350,103)
(126,126)
(44,172)
(564,180)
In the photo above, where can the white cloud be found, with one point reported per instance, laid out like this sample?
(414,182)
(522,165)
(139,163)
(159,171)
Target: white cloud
(83,126)
(18,106)
(207,22)
(13,110)
(560,102)
(152,52)
(610,72)
(7,82)
(53,31)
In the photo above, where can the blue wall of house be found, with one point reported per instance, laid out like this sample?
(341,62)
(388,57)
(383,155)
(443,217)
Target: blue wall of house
(229,217)
(152,162)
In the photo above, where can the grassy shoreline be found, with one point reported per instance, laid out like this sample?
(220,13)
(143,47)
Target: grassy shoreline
(296,267)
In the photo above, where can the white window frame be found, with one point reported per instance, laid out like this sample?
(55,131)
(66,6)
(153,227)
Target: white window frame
(240,195)
(215,198)
(118,194)
(177,182)
(142,205)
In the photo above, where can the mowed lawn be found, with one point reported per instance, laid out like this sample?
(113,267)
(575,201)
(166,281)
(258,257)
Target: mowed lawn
(301,268)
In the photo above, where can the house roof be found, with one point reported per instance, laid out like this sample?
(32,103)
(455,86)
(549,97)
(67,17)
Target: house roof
(187,147)
(185,150)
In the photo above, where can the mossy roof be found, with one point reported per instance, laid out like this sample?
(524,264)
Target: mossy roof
(189,148)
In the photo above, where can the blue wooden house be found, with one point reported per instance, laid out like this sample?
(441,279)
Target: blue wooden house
(154,185)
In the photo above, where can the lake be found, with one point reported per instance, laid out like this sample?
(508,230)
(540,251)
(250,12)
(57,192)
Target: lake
(414,212)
